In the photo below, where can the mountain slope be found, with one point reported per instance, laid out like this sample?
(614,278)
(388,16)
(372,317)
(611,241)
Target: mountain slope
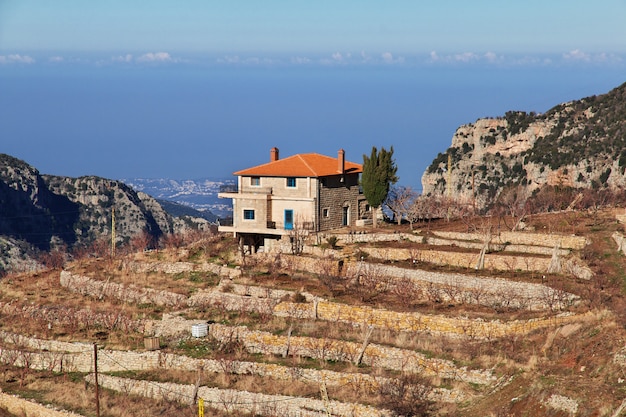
(40,212)
(580,144)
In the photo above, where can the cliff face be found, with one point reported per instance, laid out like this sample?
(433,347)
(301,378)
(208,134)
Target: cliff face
(40,212)
(580,144)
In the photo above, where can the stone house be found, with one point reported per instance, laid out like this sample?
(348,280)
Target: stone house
(301,193)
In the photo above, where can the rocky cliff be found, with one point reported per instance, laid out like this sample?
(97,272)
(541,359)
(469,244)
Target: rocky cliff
(40,212)
(579,144)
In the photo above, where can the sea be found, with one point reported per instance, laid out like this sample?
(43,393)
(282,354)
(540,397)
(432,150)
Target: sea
(186,121)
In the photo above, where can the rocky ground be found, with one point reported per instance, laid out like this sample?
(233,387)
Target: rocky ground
(360,326)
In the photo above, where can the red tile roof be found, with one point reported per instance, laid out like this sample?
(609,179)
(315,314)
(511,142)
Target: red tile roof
(301,165)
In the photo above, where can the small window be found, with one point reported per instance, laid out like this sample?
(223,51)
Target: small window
(291,182)
(325,212)
(255,181)
(248,214)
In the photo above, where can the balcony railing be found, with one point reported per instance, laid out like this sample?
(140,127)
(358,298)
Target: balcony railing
(233,188)
(229,188)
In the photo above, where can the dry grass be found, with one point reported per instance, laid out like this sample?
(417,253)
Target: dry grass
(541,363)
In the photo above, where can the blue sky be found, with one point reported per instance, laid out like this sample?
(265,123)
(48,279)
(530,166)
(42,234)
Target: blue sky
(191,89)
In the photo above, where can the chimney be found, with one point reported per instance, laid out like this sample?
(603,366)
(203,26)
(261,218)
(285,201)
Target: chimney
(341,159)
(274,154)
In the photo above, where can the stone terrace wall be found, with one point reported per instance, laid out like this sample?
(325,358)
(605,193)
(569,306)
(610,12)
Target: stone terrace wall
(513,241)
(496,247)
(130,293)
(391,320)
(328,349)
(416,322)
(522,238)
(180,267)
(243,401)
(22,407)
(462,259)
(493,292)
(338,350)
(78,357)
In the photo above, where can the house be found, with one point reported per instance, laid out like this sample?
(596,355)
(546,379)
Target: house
(304,192)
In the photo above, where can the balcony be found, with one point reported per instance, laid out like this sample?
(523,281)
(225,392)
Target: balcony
(231,189)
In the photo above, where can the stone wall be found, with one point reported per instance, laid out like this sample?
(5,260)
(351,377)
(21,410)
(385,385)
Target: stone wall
(243,401)
(448,287)
(179,267)
(466,260)
(522,238)
(78,357)
(523,242)
(265,301)
(130,293)
(416,322)
(338,350)
(21,407)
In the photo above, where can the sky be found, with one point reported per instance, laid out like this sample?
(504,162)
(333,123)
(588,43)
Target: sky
(201,88)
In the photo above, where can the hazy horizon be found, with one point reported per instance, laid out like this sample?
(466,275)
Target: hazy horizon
(203,88)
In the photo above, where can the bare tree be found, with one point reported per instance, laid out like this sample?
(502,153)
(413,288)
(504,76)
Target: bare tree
(400,201)
(298,234)
(513,202)
(330,272)
(371,282)
(407,395)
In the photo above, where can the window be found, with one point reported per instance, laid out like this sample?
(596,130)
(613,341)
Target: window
(255,181)
(248,214)
(291,181)
(325,212)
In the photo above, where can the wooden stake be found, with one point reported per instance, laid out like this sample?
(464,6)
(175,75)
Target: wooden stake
(95,368)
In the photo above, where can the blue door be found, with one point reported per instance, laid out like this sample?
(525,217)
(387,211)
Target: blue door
(288,219)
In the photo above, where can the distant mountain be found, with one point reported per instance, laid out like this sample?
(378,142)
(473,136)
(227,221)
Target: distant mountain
(180,210)
(200,194)
(41,212)
(580,144)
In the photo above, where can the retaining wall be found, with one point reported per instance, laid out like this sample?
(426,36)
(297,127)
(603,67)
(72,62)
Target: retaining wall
(416,322)
(180,267)
(242,401)
(22,407)
(78,357)
(466,260)
(522,238)
(449,287)
(509,241)
(397,321)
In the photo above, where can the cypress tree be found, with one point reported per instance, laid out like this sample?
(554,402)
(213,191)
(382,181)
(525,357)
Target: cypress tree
(379,172)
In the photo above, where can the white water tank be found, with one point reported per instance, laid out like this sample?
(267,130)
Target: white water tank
(199,330)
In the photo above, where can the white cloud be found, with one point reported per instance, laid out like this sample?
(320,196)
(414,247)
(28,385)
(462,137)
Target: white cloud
(466,57)
(16,59)
(156,57)
(56,59)
(237,60)
(577,55)
(388,58)
(494,58)
(122,58)
(300,60)
(338,57)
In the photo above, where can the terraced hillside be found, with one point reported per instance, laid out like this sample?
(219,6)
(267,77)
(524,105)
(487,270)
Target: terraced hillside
(452,320)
